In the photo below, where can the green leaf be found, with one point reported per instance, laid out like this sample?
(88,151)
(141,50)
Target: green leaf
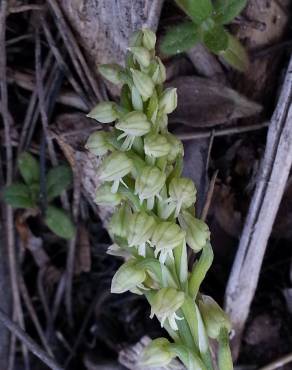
(197,10)
(216,39)
(235,54)
(29,168)
(59,222)
(226,11)
(200,270)
(58,179)
(180,38)
(18,196)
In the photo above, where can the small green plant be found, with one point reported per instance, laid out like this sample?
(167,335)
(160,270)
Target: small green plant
(206,25)
(154,216)
(26,194)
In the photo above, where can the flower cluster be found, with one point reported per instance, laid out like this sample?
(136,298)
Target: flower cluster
(154,220)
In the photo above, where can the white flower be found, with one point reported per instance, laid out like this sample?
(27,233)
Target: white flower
(182,192)
(167,236)
(114,168)
(165,304)
(140,230)
(134,124)
(149,183)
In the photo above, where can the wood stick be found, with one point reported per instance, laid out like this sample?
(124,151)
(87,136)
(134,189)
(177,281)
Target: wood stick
(264,205)
(278,363)
(28,341)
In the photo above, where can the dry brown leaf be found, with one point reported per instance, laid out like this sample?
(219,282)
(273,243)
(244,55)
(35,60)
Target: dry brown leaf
(203,102)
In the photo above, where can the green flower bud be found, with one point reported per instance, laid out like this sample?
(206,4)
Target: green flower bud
(167,236)
(128,277)
(165,304)
(176,147)
(105,197)
(136,38)
(97,143)
(140,230)
(162,123)
(182,192)
(104,112)
(149,183)
(114,168)
(157,353)
(134,124)
(214,317)
(197,231)
(156,145)
(143,83)
(116,250)
(119,222)
(159,72)
(141,55)
(112,72)
(149,39)
(168,100)
(136,99)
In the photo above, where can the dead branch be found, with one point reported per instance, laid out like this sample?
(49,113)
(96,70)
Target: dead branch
(264,205)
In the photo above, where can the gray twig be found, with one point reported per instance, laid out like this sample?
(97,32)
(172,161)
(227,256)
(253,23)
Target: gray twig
(265,202)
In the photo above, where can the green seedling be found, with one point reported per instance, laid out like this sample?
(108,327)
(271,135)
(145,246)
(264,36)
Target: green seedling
(207,26)
(26,194)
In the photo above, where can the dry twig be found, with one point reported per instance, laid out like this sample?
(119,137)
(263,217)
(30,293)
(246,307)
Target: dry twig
(264,205)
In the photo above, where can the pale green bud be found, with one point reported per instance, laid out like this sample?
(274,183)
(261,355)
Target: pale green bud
(140,230)
(197,231)
(165,304)
(112,72)
(182,192)
(143,83)
(167,236)
(105,197)
(149,183)
(104,112)
(176,147)
(114,168)
(159,72)
(168,100)
(128,277)
(162,123)
(97,143)
(157,353)
(136,99)
(156,145)
(134,124)
(214,317)
(136,38)
(116,250)
(119,222)
(141,55)
(149,39)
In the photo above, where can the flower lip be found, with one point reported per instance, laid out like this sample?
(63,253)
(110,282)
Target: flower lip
(167,236)
(165,304)
(149,182)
